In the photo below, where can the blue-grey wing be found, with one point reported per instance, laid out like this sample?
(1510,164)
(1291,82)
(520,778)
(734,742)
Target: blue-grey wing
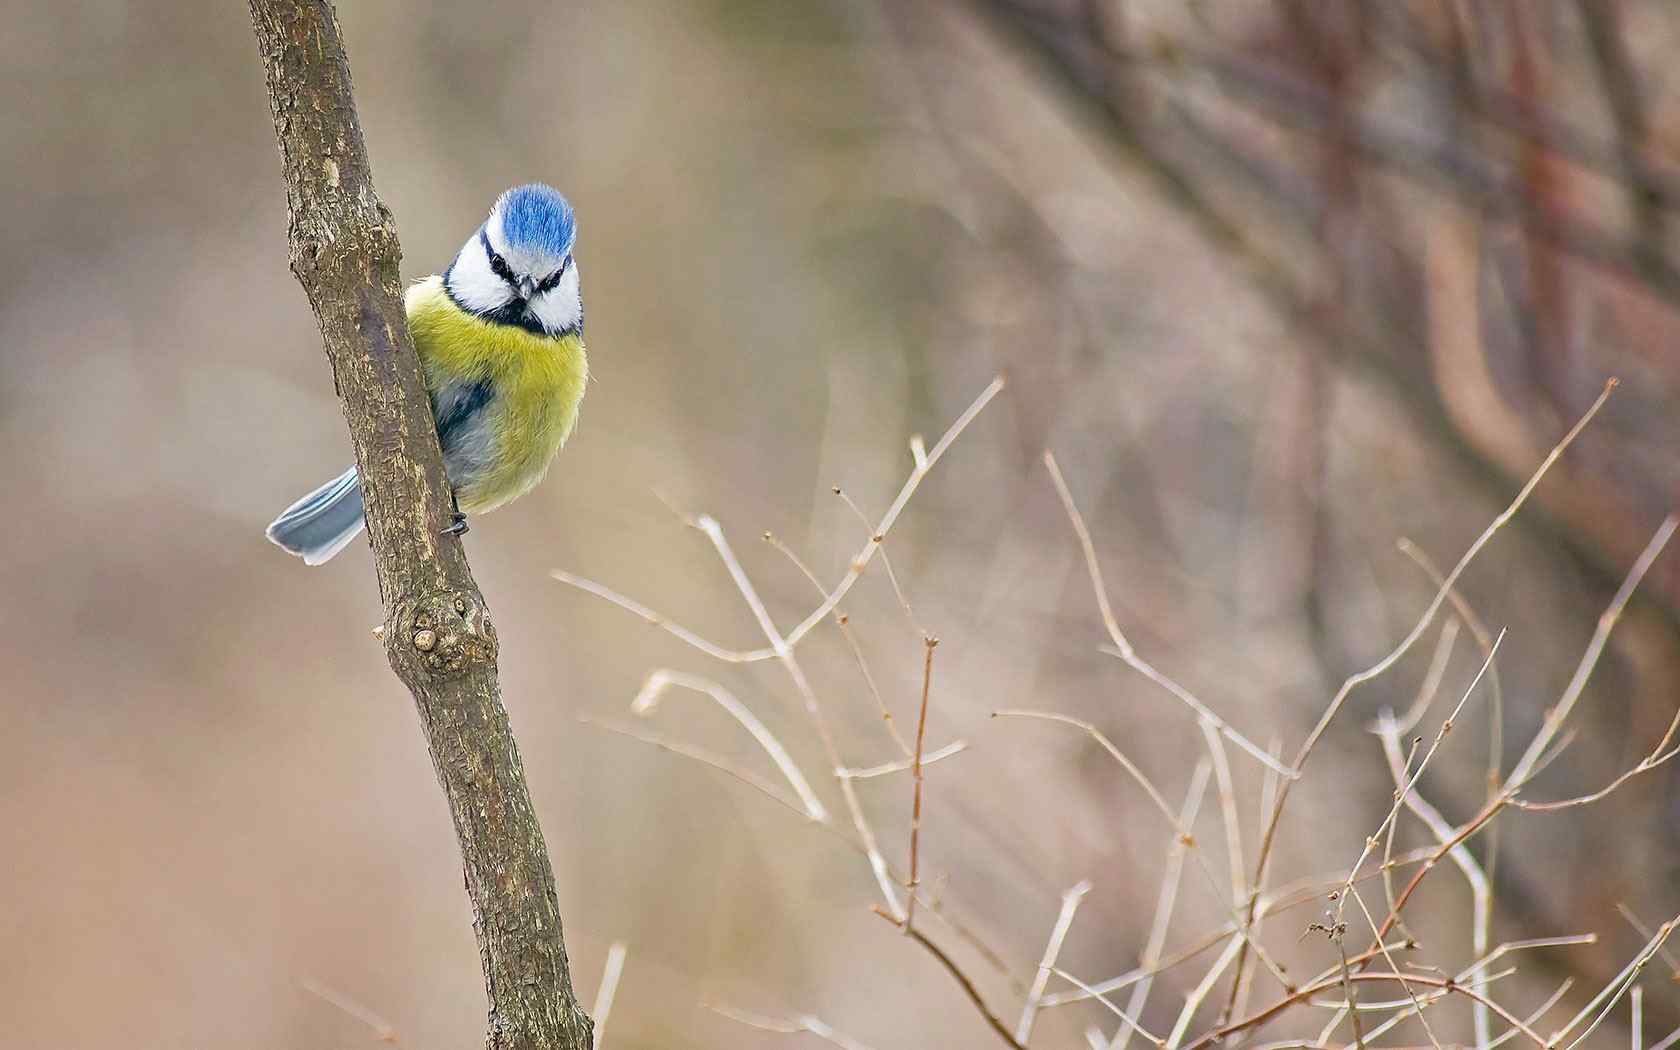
(464,429)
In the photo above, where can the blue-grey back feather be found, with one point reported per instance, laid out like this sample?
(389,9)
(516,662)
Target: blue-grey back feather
(465,430)
(324,522)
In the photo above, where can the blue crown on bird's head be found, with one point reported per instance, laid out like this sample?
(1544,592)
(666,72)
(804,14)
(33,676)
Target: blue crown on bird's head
(535,217)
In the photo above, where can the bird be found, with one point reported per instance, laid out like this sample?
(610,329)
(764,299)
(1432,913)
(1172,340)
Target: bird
(500,339)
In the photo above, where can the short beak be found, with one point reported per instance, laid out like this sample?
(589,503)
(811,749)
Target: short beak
(527,288)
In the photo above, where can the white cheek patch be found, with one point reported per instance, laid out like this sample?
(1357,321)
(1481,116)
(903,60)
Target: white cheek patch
(473,284)
(560,308)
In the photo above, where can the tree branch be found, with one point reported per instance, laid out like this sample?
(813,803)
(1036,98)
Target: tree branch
(438,634)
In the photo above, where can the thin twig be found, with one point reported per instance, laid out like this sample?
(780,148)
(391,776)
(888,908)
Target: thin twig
(1193,1001)
(1460,836)
(1352,1004)
(1128,1021)
(1528,944)
(609,988)
(1412,1003)
(1648,764)
(844,622)
(1161,805)
(654,689)
(1537,1013)
(1431,684)
(1406,787)
(1165,901)
(784,653)
(955,747)
(382,1029)
(1484,641)
(1405,985)
(1496,704)
(677,747)
(1296,894)
(1559,714)
(788,1026)
(1269,835)
(775,794)
(834,597)
(1142,779)
(1413,1007)
(716,652)
(1052,949)
(928,644)
(1240,985)
(1613,991)
(1122,647)
(1646,932)
(962,979)
(1388,840)
(886,562)
(1445,984)
(1481,899)
(879,534)
(1227,812)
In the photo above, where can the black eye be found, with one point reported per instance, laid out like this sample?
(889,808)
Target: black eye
(498,265)
(552,281)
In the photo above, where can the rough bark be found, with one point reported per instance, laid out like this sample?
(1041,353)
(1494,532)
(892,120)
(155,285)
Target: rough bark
(438,633)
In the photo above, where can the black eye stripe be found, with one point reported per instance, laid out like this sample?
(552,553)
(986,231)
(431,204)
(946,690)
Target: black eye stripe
(501,269)
(552,281)
(498,265)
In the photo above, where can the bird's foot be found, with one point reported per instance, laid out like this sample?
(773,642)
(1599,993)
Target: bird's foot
(457,525)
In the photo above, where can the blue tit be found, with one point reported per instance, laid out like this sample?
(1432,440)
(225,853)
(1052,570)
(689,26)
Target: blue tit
(500,339)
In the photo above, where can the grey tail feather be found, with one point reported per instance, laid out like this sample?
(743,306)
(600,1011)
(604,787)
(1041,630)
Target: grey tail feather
(324,522)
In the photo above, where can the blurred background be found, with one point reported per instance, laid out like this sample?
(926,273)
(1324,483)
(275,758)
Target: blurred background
(1279,282)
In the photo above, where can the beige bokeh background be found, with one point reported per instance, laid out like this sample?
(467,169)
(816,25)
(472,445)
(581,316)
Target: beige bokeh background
(808,231)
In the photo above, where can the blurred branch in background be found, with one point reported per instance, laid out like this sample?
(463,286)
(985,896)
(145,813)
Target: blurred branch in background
(1534,251)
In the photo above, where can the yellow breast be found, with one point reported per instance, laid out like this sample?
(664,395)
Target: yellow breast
(538,382)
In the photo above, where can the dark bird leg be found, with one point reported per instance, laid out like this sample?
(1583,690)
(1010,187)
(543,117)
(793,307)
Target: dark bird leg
(458,521)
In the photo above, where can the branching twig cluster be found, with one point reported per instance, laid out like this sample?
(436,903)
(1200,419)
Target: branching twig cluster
(1348,988)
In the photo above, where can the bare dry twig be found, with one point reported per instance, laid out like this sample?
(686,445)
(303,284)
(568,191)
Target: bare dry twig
(653,689)
(803,1023)
(1269,835)
(1128,1021)
(844,622)
(955,971)
(1058,933)
(929,644)
(1164,903)
(1166,811)
(604,996)
(381,1028)
(1123,647)
(1442,983)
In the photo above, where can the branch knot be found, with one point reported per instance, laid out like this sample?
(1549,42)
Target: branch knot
(442,634)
